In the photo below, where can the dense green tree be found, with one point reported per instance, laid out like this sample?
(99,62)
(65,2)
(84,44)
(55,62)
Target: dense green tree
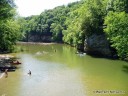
(117,31)
(95,11)
(56,30)
(73,34)
(9,35)
(116,26)
(9,28)
(7,9)
(117,5)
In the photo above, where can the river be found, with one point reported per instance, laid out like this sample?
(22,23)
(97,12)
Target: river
(58,71)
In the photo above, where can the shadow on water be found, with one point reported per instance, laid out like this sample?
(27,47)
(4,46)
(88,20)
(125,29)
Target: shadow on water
(125,68)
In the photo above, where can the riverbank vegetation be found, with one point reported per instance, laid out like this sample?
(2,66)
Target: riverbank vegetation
(9,28)
(74,24)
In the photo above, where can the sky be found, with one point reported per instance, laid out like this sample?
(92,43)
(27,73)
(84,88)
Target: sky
(35,7)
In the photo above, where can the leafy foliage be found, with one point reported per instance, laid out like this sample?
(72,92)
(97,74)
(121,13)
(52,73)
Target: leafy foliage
(73,34)
(9,35)
(117,31)
(117,5)
(9,28)
(95,11)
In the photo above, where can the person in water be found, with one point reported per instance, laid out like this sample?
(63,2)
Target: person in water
(29,72)
(6,73)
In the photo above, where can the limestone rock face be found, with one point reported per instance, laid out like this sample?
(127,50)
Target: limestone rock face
(38,38)
(98,45)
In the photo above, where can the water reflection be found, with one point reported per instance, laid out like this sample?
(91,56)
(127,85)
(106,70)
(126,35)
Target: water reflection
(63,73)
(49,79)
(125,68)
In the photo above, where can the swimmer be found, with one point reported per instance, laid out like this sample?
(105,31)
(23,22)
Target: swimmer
(29,72)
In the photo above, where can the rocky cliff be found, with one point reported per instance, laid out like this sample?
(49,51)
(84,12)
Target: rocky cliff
(98,45)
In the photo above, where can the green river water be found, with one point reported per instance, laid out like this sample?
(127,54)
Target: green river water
(58,71)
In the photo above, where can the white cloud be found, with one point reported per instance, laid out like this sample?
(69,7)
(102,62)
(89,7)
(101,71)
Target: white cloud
(35,7)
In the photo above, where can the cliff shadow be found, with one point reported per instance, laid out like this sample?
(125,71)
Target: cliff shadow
(125,68)
(97,55)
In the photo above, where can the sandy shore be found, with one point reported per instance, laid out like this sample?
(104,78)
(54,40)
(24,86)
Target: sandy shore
(39,43)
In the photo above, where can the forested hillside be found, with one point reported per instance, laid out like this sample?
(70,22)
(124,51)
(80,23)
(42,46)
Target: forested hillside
(50,24)
(98,27)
